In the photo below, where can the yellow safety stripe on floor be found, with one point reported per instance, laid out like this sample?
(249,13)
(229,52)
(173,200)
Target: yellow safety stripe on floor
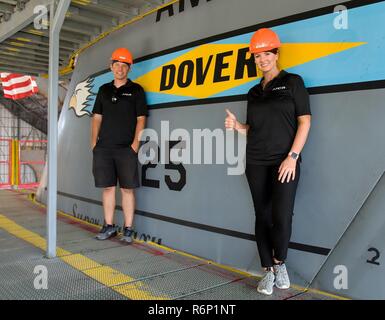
(80,262)
(326,294)
(32,198)
(108,276)
(103,274)
(132,289)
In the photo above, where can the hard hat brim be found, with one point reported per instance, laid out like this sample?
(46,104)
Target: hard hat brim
(264,49)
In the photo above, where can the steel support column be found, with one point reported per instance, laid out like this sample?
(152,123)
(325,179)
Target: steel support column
(56,21)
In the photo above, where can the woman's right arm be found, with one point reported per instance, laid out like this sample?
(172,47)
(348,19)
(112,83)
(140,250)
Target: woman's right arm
(232,123)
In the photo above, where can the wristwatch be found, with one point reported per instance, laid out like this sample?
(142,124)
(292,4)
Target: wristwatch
(294,155)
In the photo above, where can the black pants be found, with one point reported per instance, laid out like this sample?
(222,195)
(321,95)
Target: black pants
(273,205)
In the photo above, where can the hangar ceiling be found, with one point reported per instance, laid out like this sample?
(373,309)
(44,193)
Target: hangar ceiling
(24,41)
(24,35)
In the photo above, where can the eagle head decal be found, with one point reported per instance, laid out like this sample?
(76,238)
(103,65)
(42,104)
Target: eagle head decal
(83,98)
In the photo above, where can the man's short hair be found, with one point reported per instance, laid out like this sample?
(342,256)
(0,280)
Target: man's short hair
(113,61)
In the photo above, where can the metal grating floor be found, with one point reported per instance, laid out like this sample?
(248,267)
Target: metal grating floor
(96,270)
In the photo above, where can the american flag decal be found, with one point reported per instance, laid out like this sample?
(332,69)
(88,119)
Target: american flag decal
(18,86)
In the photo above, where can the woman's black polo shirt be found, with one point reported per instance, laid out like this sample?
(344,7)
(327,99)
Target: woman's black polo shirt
(119,107)
(272,115)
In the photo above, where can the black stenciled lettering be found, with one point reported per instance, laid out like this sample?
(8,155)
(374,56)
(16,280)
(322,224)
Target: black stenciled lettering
(169,9)
(150,182)
(172,185)
(220,66)
(181,6)
(168,77)
(194,3)
(84,217)
(375,258)
(144,237)
(179,184)
(243,62)
(202,74)
(176,185)
(185,73)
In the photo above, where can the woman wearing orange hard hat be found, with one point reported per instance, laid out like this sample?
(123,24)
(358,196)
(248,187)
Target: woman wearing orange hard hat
(277,126)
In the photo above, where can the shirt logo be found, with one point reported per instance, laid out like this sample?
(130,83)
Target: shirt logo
(127,94)
(279,88)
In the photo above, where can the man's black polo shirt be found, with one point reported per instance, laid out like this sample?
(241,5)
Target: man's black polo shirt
(119,119)
(272,115)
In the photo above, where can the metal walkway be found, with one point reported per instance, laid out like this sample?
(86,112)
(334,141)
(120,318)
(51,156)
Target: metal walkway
(88,269)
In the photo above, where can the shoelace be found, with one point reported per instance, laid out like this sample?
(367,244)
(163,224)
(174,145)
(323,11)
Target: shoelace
(281,272)
(269,277)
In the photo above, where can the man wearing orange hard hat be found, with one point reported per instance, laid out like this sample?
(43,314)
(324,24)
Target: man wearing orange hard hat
(277,126)
(119,116)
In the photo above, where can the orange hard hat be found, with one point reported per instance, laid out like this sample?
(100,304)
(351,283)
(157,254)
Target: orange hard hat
(122,55)
(264,40)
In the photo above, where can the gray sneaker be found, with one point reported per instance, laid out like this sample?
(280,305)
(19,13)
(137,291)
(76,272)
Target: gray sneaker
(127,235)
(265,286)
(282,280)
(106,232)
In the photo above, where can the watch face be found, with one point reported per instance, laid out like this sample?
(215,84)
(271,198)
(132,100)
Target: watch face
(294,155)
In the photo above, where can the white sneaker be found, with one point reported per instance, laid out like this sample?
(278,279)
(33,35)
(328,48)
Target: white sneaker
(265,286)
(282,280)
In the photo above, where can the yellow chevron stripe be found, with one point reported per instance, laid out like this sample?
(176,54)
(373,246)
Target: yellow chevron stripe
(209,56)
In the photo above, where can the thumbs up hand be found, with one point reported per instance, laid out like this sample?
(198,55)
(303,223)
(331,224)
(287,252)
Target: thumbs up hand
(231,120)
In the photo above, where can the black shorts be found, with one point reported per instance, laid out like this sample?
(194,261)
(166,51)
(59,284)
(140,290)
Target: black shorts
(111,165)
